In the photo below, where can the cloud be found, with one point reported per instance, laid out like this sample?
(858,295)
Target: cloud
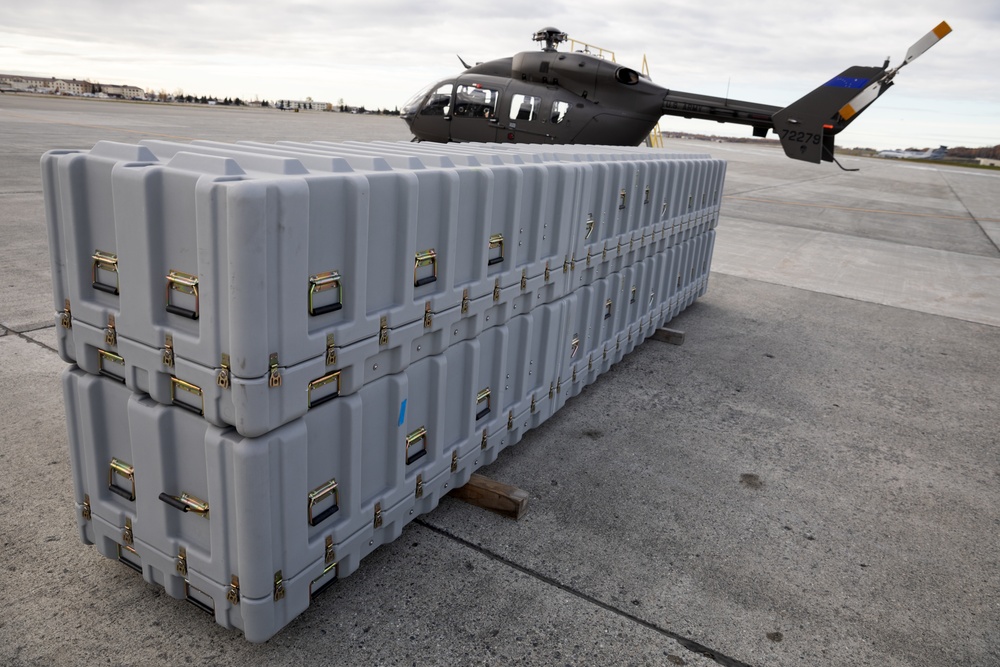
(377,53)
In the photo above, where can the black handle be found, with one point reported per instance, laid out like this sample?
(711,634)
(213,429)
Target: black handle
(127,495)
(494,260)
(324,399)
(415,457)
(324,515)
(173,501)
(482,413)
(110,289)
(183,312)
(426,280)
(329,308)
(189,408)
(322,588)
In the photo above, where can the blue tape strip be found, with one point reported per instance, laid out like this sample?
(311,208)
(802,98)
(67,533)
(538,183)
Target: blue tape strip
(846,82)
(402,412)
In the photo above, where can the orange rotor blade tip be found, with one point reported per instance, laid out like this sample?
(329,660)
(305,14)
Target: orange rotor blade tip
(942,29)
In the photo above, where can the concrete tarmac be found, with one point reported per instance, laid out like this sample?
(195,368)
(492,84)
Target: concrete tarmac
(812,478)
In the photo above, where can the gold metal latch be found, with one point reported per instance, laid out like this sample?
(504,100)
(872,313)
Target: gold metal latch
(85,511)
(66,317)
(454,461)
(233,594)
(329,555)
(378,515)
(331,350)
(419,492)
(127,537)
(168,351)
(279,586)
(182,565)
(274,375)
(428,315)
(223,378)
(383,331)
(110,334)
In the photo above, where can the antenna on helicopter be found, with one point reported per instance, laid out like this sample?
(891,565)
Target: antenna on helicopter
(551,37)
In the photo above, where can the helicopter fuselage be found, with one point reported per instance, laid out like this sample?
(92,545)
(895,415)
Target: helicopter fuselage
(539,97)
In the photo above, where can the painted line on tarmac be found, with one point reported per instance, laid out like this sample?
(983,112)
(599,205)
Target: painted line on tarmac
(968,218)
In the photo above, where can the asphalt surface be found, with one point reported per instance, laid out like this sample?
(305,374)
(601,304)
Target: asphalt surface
(812,478)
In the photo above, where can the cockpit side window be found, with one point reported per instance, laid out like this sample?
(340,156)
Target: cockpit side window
(559,111)
(476,102)
(525,107)
(439,103)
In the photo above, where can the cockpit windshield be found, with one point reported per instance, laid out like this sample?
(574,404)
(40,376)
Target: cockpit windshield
(439,100)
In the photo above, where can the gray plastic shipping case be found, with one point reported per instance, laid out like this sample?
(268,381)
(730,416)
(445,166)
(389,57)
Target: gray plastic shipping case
(286,352)
(239,279)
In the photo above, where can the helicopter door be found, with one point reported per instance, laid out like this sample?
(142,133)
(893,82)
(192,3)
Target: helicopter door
(526,118)
(474,113)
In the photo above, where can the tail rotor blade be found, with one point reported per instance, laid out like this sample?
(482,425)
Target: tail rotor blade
(927,41)
(863,99)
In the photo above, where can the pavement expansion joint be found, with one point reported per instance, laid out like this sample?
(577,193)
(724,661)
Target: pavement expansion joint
(972,217)
(689,644)
(23,335)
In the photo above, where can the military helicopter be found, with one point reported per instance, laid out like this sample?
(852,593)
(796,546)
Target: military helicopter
(578,98)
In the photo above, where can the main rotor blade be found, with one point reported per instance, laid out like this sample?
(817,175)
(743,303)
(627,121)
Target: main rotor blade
(927,41)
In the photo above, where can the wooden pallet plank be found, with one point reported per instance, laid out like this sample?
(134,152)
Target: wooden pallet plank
(498,497)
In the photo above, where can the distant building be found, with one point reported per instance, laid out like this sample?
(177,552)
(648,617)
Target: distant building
(115,90)
(37,84)
(304,105)
(986,162)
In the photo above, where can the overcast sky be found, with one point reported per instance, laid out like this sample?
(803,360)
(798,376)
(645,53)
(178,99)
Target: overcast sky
(377,53)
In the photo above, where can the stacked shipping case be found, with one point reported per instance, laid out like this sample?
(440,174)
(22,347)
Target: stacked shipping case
(283,353)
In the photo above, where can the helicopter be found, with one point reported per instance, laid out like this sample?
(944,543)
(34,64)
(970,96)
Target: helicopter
(578,98)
